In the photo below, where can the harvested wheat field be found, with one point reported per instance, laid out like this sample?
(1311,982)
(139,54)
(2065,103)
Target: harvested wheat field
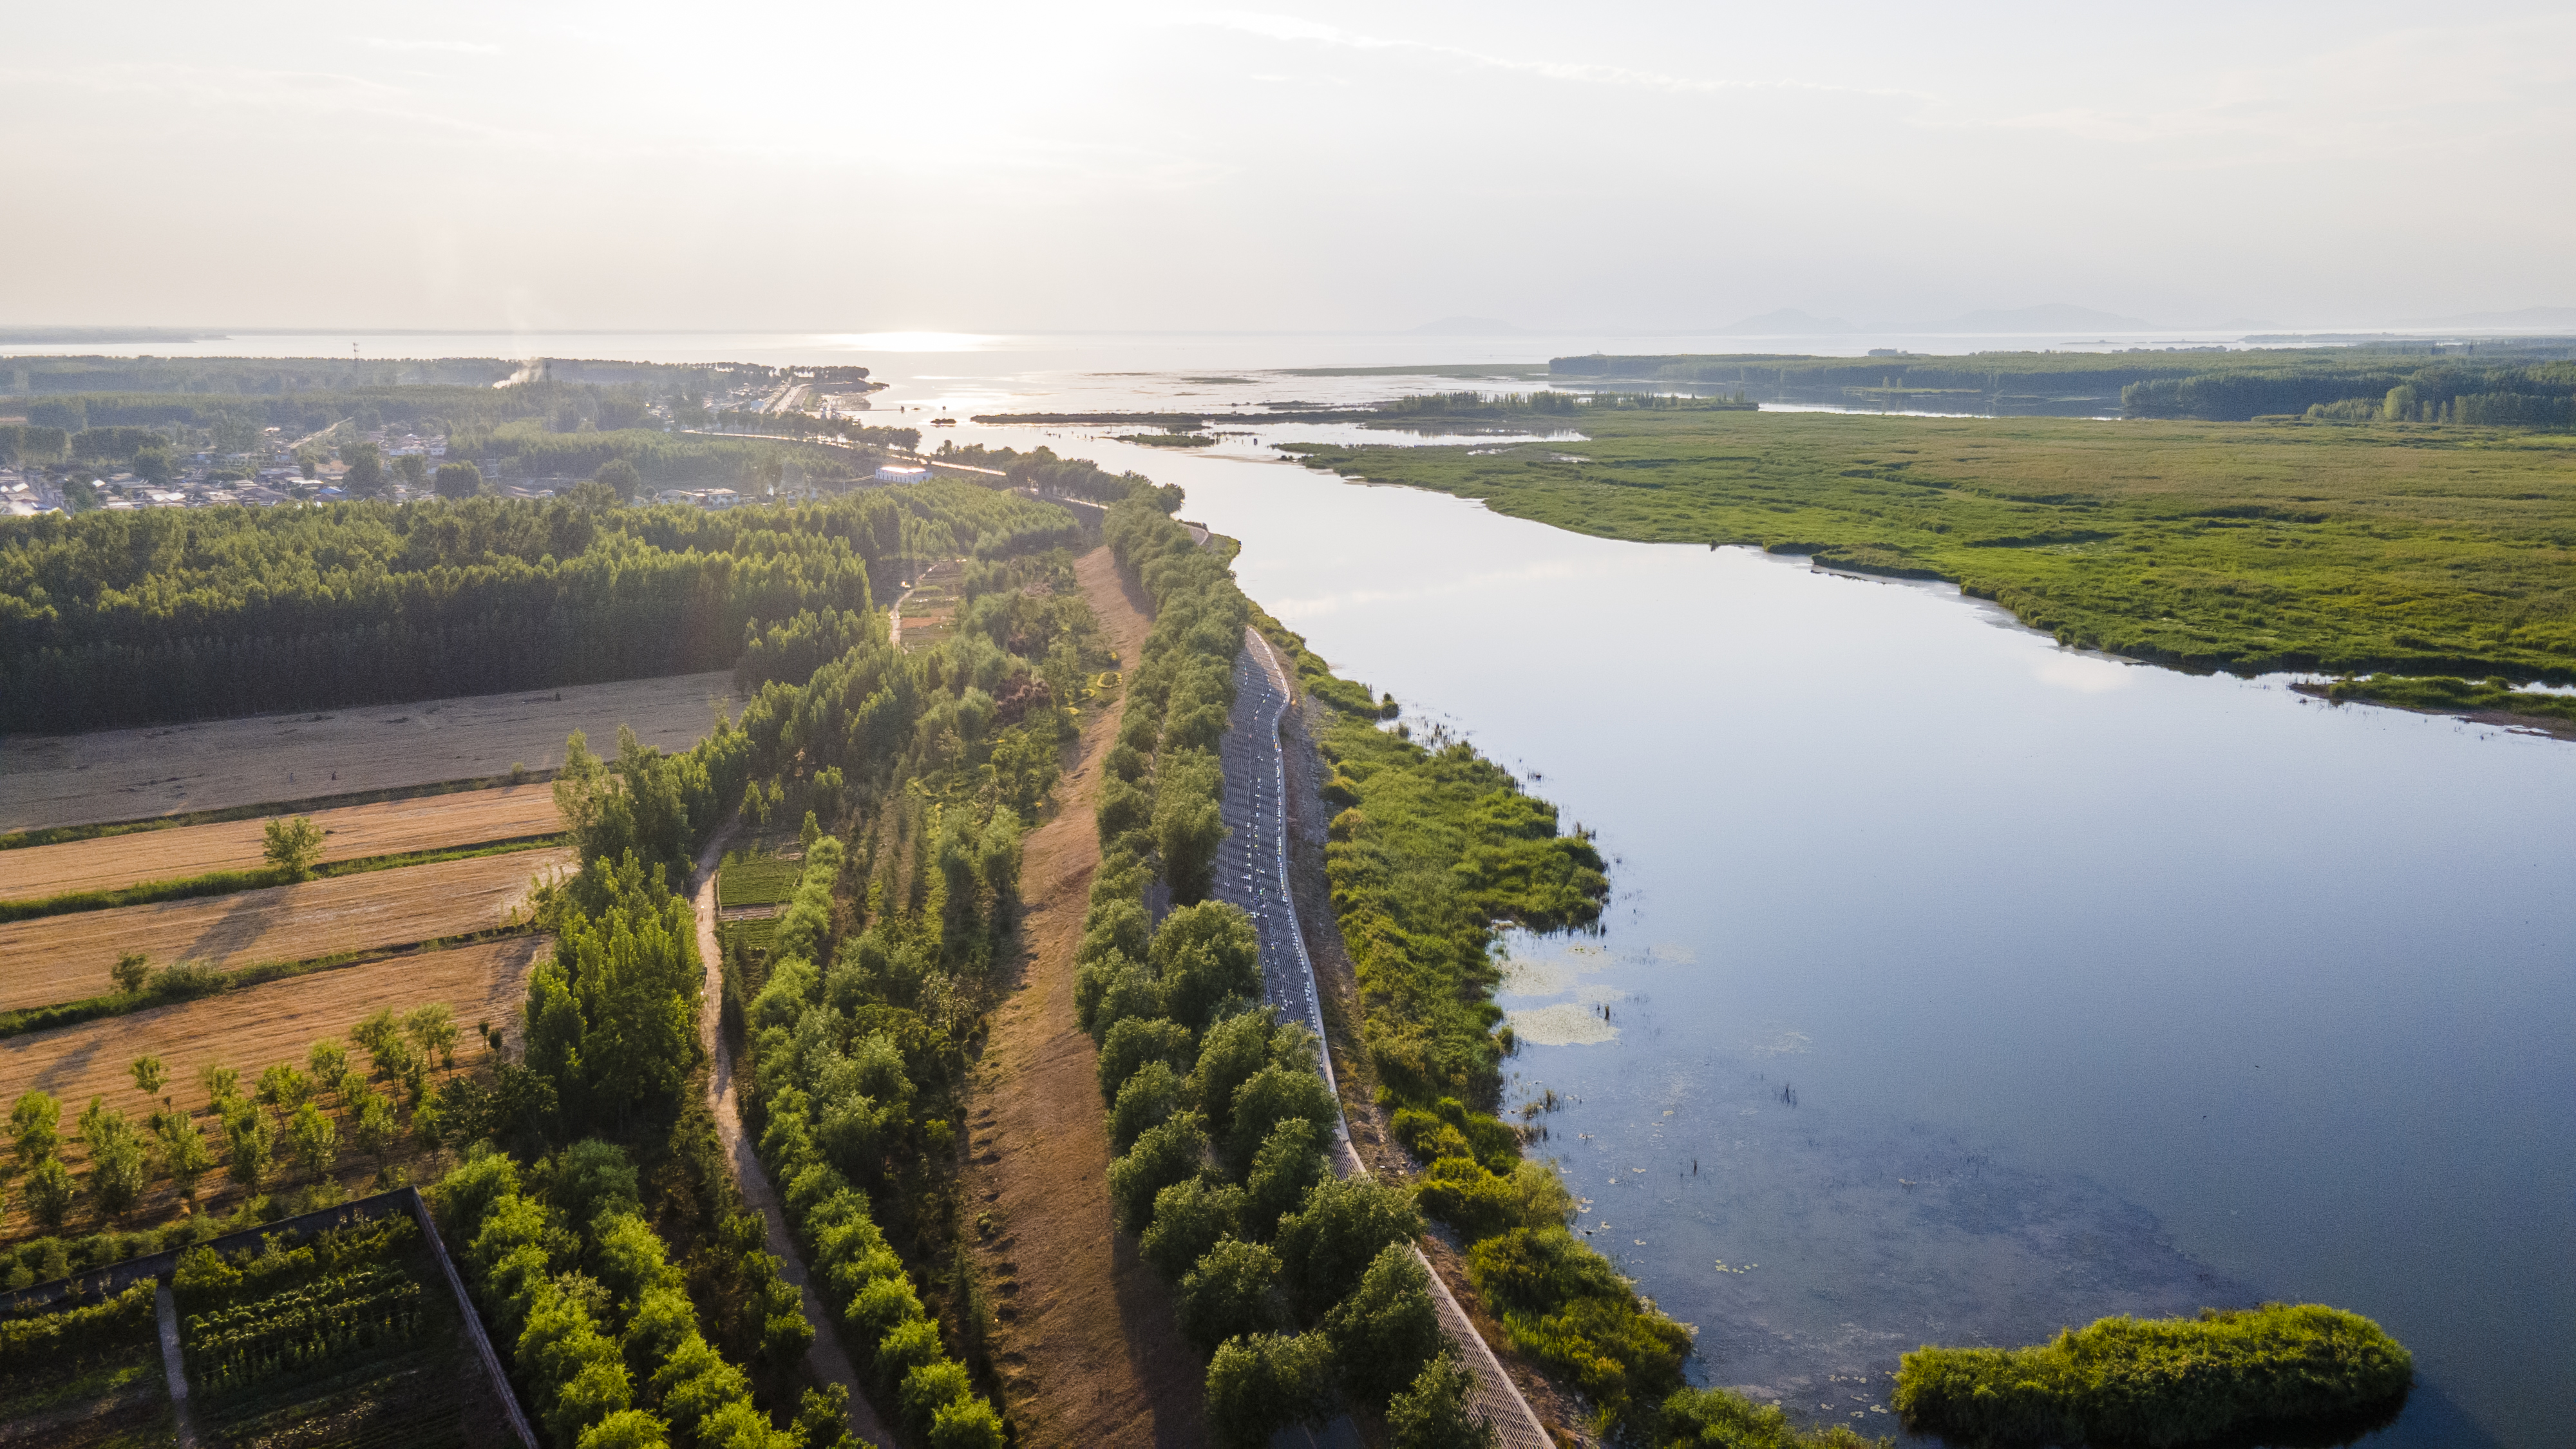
(249,1030)
(136,774)
(272,1022)
(354,832)
(67,958)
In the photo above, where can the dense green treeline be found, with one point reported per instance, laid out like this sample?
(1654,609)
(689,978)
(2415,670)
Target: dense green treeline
(845,427)
(1505,404)
(123,618)
(2504,389)
(1218,1114)
(2541,395)
(1302,1288)
(2227,546)
(1041,469)
(2239,1376)
(530,448)
(606,1241)
(921,771)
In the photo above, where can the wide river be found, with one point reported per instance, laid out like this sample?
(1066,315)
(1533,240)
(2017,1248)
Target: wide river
(1956,986)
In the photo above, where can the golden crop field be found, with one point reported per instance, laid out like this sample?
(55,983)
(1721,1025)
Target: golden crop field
(271,1022)
(254,1028)
(353,832)
(67,958)
(137,774)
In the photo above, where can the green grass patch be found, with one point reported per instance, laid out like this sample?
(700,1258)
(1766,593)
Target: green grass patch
(2294,1373)
(2249,547)
(227,882)
(2443,695)
(756,880)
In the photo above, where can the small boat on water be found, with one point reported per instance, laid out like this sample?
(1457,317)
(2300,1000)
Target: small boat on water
(943,422)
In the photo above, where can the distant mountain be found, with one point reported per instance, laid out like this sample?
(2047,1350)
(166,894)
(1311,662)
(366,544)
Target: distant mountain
(2047,317)
(1787,322)
(1468,327)
(2535,318)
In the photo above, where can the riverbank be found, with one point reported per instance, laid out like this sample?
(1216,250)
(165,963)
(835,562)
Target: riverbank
(2245,547)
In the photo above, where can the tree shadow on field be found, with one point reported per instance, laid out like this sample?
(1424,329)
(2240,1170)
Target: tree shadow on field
(252,915)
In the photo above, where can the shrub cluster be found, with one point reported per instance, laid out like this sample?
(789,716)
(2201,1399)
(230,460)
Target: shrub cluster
(2162,1381)
(878,970)
(45,1340)
(599,1324)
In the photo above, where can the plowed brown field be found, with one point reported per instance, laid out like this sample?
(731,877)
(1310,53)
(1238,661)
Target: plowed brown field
(49,780)
(394,827)
(66,958)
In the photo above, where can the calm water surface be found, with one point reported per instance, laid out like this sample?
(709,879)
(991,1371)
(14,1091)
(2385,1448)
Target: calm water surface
(1957,986)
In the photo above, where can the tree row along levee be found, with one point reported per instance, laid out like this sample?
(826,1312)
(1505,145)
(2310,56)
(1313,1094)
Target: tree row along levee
(1252,874)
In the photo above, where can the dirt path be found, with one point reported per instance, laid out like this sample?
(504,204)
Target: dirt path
(1087,1343)
(824,1358)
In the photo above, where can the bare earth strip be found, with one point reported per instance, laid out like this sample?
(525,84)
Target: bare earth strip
(353,832)
(1088,1343)
(49,780)
(273,1022)
(66,958)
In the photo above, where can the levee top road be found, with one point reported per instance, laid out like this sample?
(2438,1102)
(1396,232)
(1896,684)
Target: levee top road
(136,774)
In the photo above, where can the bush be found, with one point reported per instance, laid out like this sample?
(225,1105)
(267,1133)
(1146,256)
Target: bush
(930,1388)
(1289,1164)
(1135,1041)
(1149,1096)
(1189,1217)
(1275,1095)
(1234,1290)
(50,1339)
(1168,1154)
(1261,1384)
(1388,1329)
(2161,1382)
(1432,1413)
(1330,1242)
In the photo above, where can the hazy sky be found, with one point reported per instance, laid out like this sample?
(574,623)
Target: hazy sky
(1110,165)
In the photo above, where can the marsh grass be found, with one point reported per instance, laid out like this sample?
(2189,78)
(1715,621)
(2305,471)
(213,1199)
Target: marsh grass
(2281,1373)
(2249,547)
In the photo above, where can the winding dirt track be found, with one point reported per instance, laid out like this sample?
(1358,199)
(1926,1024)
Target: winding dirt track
(825,1358)
(352,832)
(1088,1344)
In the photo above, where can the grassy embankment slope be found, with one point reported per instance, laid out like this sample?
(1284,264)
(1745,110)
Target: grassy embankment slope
(2414,550)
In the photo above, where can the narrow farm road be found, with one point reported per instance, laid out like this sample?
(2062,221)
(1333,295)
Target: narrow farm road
(825,1358)
(1086,1341)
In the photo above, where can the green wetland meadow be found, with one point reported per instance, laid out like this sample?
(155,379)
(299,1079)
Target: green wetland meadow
(2260,546)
